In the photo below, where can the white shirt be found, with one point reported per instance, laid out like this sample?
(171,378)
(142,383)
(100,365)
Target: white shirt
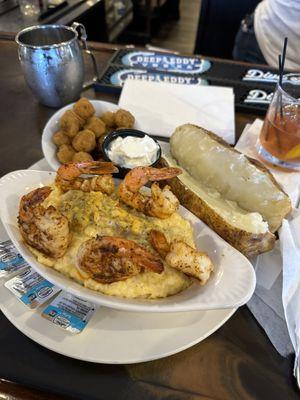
(273,21)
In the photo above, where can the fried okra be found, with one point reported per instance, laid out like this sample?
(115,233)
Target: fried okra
(60,138)
(84,108)
(84,141)
(69,124)
(108,118)
(82,156)
(96,125)
(124,119)
(65,153)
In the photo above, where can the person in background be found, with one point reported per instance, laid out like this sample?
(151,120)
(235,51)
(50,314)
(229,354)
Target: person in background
(261,35)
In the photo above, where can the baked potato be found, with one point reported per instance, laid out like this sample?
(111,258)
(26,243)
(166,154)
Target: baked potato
(236,196)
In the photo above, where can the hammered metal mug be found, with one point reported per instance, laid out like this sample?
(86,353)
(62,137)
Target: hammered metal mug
(52,62)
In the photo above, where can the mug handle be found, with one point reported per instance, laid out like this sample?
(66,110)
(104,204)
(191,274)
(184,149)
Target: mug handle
(83,38)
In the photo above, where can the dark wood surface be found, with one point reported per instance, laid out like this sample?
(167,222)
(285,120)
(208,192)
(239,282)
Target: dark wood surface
(236,362)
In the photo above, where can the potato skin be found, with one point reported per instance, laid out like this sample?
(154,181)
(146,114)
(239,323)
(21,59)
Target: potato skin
(248,243)
(264,169)
(286,206)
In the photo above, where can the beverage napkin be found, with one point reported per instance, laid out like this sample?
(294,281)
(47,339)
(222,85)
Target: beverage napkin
(276,301)
(160,107)
(290,250)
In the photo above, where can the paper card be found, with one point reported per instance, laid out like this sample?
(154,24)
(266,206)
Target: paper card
(161,107)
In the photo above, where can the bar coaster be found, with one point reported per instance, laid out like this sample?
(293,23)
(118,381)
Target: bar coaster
(114,76)
(160,61)
(166,62)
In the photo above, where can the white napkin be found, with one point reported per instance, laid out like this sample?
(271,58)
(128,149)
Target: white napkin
(290,249)
(160,107)
(276,301)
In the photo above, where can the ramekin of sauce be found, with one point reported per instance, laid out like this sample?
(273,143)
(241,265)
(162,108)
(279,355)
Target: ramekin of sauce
(129,148)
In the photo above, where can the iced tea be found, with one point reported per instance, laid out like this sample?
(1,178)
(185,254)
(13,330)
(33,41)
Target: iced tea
(280,134)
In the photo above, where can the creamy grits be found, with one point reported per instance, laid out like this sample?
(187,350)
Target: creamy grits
(94,213)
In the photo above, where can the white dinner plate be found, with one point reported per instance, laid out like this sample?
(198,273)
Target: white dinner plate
(114,337)
(52,126)
(231,284)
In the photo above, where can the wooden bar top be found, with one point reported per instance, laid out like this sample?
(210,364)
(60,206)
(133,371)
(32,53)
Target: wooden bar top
(236,362)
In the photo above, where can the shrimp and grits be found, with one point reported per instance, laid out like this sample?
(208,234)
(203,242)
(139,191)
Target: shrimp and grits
(121,241)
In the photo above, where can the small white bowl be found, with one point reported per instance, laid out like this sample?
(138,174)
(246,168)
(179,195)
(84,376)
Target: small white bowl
(52,126)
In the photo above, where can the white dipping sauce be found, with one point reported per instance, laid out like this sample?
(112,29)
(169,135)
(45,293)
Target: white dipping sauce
(131,151)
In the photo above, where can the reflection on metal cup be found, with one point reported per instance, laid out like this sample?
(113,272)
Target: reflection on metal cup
(52,63)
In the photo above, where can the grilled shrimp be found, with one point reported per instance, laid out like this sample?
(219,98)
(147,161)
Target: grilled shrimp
(183,257)
(108,259)
(45,229)
(68,176)
(162,203)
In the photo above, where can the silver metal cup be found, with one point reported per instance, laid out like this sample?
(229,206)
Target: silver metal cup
(52,62)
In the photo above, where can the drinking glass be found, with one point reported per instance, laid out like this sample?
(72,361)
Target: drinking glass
(279,141)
